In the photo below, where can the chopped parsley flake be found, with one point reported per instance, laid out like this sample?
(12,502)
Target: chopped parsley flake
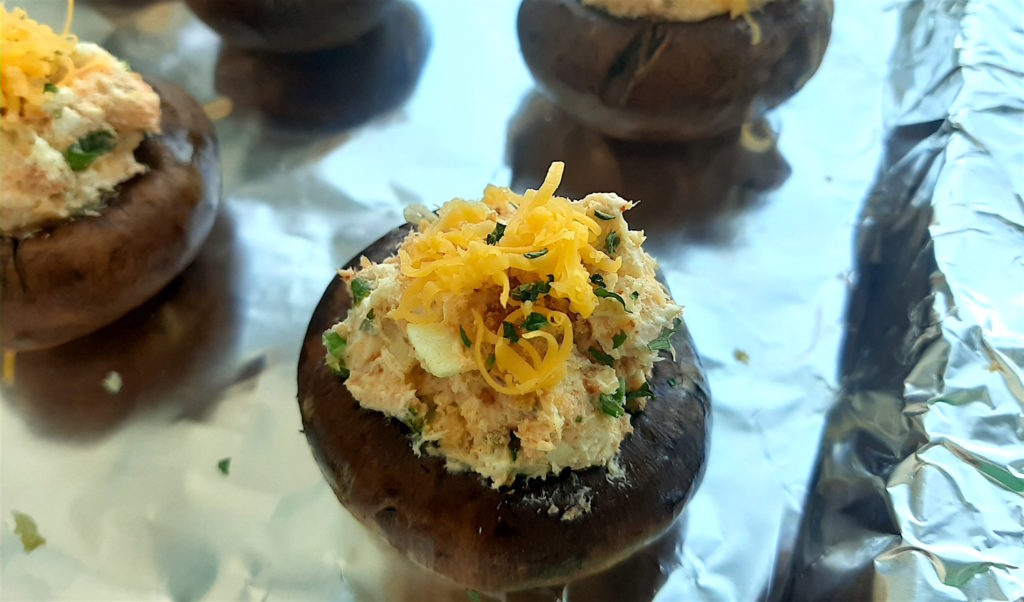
(367,325)
(579,419)
(510,332)
(535,321)
(602,358)
(634,295)
(514,444)
(598,279)
(536,254)
(224,466)
(532,291)
(472,596)
(618,340)
(465,338)
(603,216)
(494,237)
(360,290)
(490,361)
(335,360)
(611,243)
(26,529)
(49,88)
(671,382)
(643,391)
(604,293)
(664,340)
(81,154)
(613,404)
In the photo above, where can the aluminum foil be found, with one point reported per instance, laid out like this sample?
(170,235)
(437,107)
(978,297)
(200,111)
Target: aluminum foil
(753,235)
(919,487)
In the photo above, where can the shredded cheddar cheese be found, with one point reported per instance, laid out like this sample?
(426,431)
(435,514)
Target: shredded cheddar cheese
(33,56)
(546,237)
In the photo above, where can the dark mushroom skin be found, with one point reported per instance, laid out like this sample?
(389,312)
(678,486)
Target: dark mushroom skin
(75,277)
(336,88)
(650,79)
(289,26)
(489,539)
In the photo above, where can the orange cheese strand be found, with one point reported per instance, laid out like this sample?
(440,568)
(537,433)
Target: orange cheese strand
(33,55)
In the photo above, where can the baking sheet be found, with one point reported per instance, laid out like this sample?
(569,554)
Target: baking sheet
(919,490)
(757,246)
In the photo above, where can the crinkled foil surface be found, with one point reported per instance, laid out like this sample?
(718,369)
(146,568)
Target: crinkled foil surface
(918,492)
(919,488)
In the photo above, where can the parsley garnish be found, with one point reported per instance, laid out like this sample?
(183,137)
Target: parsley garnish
(604,293)
(664,340)
(472,595)
(514,444)
(494,237)
(49,88)
(579,419)
(618,340)
(367,325)
(335,346)
(634,295)
(613,404)
(360,290)
(536,254)
(611,242)
(643,391)
(671,382)
(81,154)
(465,338)
(532,290)
(535,321)
(415,422)
(490,361)
(603,358)
(224,466)
(26,529)
(603,216)
(510,332)
(597,279)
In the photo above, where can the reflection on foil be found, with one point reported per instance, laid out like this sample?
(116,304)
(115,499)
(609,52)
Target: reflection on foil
(168,355)
(685,188)
(332,89)
(919,488)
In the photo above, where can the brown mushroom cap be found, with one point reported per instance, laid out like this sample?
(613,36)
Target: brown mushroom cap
(665,80)
(514,537)
(78,276)
(336,88)
(295,26)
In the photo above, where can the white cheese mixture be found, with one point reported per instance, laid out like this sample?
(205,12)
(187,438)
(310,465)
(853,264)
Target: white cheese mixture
(63,163)
(675,10)
(425,374)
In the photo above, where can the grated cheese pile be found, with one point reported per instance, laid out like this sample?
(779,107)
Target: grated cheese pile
(547,235)
(33,55)
(512,335)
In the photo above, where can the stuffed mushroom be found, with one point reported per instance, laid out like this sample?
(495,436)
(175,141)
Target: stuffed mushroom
(507,393)
(110,185)
(661,70)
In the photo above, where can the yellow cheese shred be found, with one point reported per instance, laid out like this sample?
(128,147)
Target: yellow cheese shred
(33,55)
(545,238)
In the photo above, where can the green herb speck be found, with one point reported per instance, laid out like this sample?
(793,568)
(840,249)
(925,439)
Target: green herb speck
(465,338)
(535,321)
(360,290)
(604,293)
(536,254)
(618,340)
(81,154)
(495,236)
(224,466)
(611,243)
(602,358)
(603,216)
(510,332)
(26,529)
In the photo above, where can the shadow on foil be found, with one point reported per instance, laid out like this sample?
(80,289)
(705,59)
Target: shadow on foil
(171,354)
(688,189)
